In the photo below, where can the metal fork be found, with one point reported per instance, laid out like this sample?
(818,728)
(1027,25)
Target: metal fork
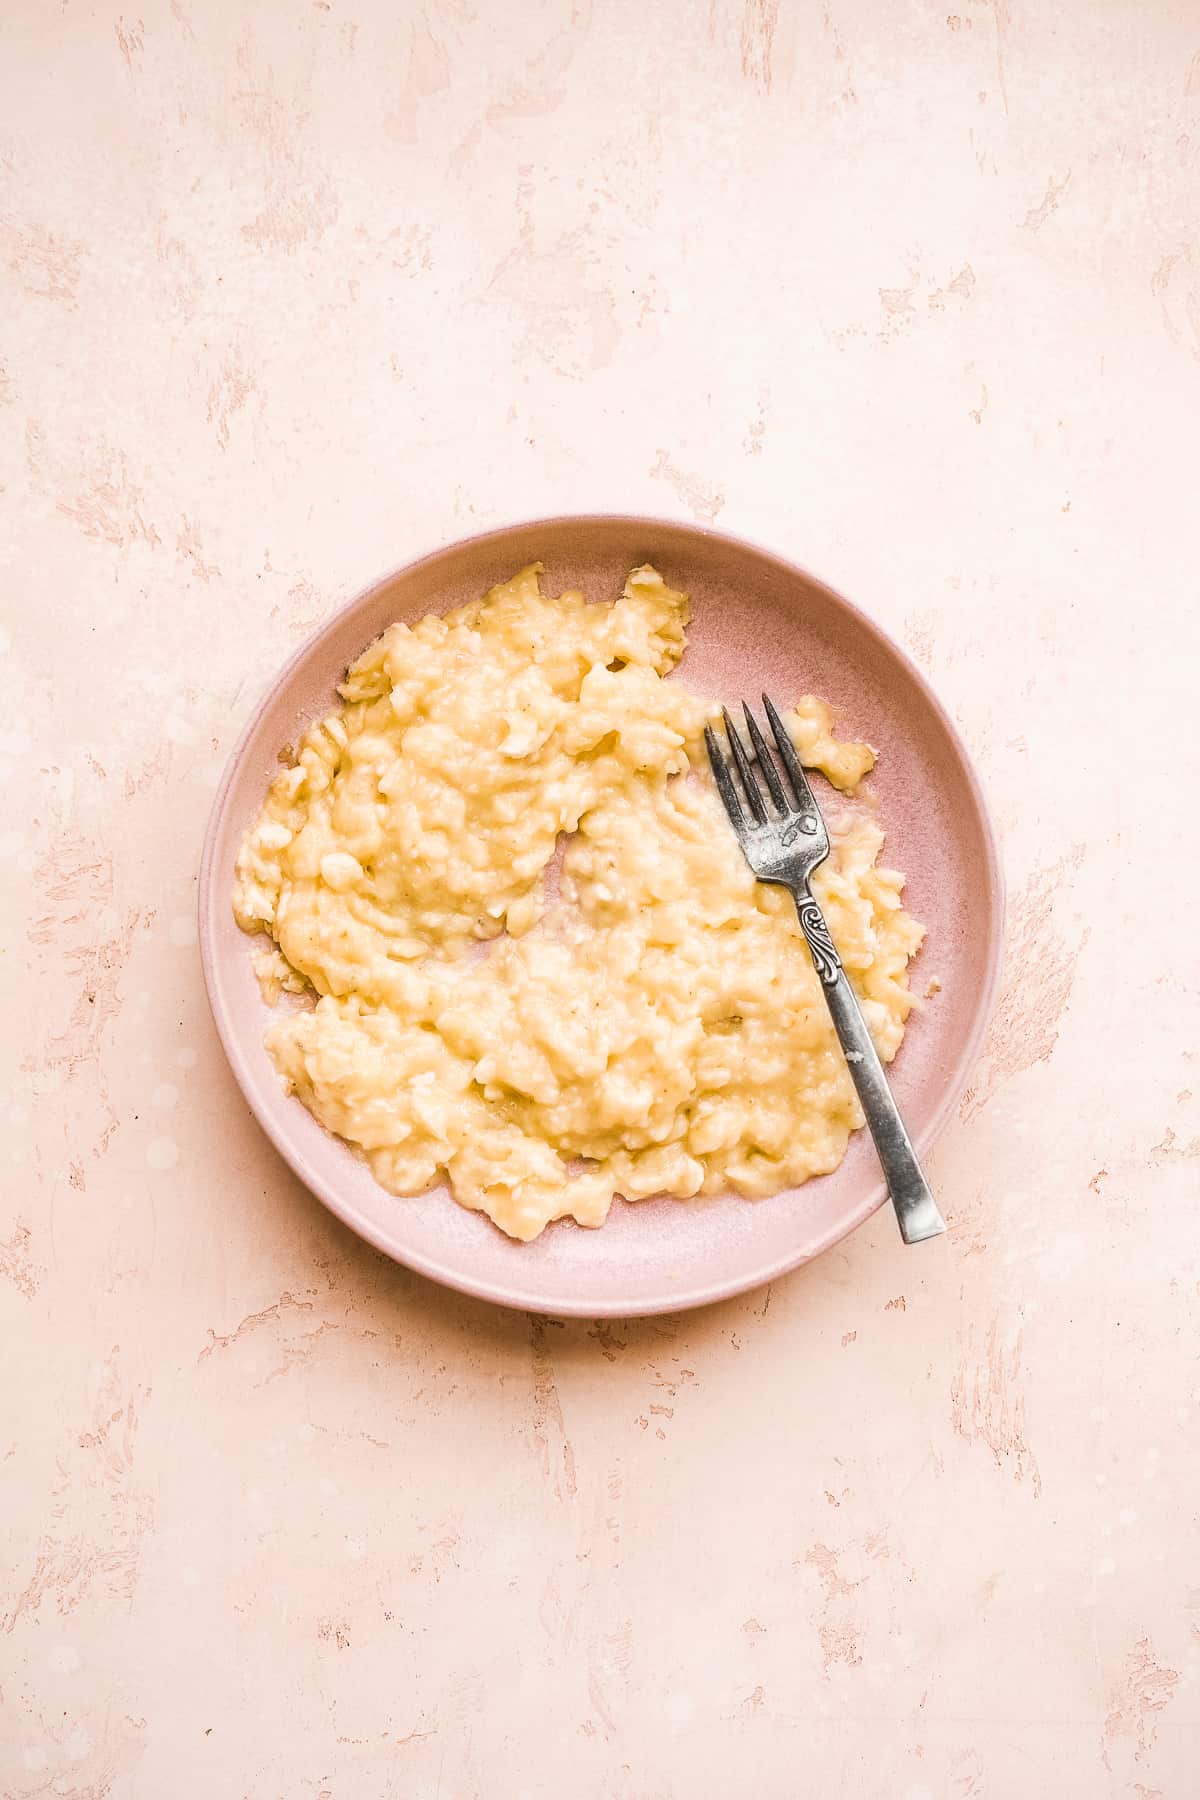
(784,839)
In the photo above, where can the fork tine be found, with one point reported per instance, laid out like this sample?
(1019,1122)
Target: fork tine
(766,762)
(789,758)
(723,776)
(745,769)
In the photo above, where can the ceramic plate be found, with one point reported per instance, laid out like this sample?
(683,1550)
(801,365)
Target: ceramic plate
(757,622)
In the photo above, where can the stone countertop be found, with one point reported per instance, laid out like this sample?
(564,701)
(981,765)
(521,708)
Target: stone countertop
(292,292)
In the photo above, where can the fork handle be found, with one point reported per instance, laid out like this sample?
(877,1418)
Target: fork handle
(916,1209)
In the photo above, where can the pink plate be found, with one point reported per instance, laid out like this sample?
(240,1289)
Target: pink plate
(757,621)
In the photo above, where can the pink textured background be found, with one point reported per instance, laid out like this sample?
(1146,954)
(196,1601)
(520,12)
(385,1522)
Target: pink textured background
(912,294)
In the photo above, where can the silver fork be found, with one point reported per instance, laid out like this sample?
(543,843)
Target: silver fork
(784,839)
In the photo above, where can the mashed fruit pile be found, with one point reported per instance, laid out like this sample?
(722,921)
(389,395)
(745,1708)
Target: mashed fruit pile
(653,1026)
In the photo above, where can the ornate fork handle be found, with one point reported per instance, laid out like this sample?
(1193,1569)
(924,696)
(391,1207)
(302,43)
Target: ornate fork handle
(916,1208)
(826,960)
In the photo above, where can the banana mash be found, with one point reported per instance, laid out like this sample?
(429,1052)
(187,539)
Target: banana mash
(638,1016)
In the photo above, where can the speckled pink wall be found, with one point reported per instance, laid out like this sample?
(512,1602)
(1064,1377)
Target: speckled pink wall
(291,292)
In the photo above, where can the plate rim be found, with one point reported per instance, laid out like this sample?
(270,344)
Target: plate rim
(573,1306)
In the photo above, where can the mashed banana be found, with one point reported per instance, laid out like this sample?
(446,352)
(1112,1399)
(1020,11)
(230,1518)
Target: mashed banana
(655,1025)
